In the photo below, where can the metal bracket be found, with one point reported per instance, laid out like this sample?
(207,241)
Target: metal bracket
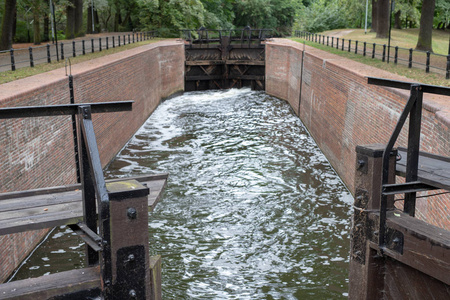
(130,283)
(87,235)
(394,240)
(362,161)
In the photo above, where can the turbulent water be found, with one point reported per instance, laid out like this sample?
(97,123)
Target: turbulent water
(252,209)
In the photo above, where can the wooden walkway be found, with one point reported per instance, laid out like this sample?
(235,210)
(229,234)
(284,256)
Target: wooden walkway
(46,208)
(433,169)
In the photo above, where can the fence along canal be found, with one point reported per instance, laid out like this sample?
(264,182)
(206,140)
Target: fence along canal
(252,207)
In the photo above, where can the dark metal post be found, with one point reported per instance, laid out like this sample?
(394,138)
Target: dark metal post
(328,38)
(107,43)
(410,58)
(364,49)
(373,50)
(113,42)
(62,50)
(74,130)
(447,75)
(427,68)
(13,64)
(343,42)
(83,46)
(356,47)
(118,40)
(31,57)
(129,39)
(337,43)
(57,50)
(133,37)
(412,161)
(124,40)
(99,44)
(49,59)
(92,45)
(396,55)
(74,52)
(332,42)
(384,53)
(349,45)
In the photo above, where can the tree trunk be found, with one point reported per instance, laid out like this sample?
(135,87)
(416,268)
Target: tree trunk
(70,22)
(397,21)
(117,17)
(78,18)
(7,25)
(46,27)
(374,15)
(383,19)
(36,22)
(426,26)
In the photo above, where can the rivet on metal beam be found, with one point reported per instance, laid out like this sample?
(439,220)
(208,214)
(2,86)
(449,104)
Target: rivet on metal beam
(131,213)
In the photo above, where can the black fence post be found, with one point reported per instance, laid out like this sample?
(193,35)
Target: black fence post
(107,43)
(113,42)
(328,38)
(332,42)
(100,44)
(118,40)
(13,64)
(373,50)
(92,45)
(356,47)
(410,58)
(31,57)
(323,42)
(129,39)
(83,46)
(427,68)
(124,40)
(343,42)
(49,58)
(349,45)
(364,49)
(384,53)
(141,36)
(74,52)
(62,50)
(447,75)
(337,43)
(396,55)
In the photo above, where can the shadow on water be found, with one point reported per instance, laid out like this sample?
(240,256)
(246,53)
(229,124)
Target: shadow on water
(252,209)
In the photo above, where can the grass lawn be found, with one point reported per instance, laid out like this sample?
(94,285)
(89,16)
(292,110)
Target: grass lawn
(405,38)
(41,68)
(413,73)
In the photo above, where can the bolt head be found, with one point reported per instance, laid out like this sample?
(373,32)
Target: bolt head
(132,213)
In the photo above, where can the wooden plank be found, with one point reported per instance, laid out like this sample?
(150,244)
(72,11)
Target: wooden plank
(203,77)
(246,77)
(38,210)
(204,62)
(433,169)
(45,287)
(246,62)
(425,247)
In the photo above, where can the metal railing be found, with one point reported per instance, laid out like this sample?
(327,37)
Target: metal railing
(426,60)
(29,57)
(213,36)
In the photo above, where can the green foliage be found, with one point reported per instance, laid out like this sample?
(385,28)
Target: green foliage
(322,15)
(442,13)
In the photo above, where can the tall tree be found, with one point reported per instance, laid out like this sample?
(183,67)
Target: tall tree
(426,26)
(383,18)
(36,6)
(7,25)
(374,15)
(74,14)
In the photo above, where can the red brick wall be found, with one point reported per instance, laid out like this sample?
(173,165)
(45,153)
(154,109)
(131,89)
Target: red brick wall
(342,111)
(38,152)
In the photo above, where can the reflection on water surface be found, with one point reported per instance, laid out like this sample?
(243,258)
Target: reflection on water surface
(252,209)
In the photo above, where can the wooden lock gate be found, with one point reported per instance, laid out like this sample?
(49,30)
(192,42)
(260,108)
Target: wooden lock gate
(223,59)
(110,216)
(393,254)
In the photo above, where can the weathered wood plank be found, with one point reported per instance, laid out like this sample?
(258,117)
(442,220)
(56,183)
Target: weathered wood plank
(52,285)
(433,169)
(37,209)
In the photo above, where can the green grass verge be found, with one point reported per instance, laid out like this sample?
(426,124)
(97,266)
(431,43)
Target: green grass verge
(45,67)
(414,74)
